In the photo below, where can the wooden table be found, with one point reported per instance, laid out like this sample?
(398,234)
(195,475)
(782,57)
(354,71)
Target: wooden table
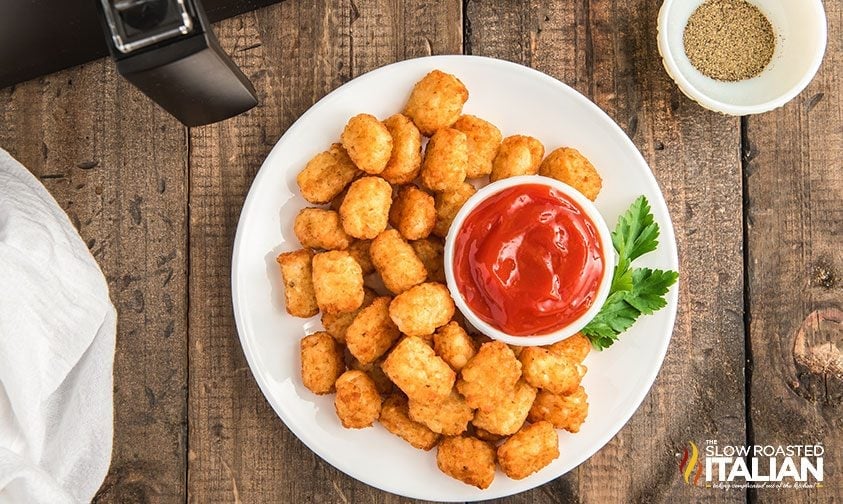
(757,203)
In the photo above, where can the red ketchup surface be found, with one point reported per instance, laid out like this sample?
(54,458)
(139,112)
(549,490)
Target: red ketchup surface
(528,260)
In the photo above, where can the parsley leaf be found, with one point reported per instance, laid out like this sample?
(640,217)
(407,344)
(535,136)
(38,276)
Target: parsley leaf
(636,232)
(634,292)
(648,289)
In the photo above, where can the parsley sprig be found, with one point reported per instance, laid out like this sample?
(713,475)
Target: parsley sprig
(634,291)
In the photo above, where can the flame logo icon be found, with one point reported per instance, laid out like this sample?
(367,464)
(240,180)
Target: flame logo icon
(688,465)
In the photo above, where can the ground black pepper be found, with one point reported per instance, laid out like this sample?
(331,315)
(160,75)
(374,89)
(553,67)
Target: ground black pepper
(729,40)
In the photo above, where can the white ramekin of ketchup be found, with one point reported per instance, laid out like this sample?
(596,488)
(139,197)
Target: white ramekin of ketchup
(529,260)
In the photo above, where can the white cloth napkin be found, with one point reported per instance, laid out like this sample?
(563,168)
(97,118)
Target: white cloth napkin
(57,336)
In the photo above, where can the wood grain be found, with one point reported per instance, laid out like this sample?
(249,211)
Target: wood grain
(795,271)
(294,53)
(607,50)
(117,164)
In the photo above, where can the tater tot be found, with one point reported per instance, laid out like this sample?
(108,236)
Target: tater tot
(365,210)
(372,332)
(484,138)
(321,229)
(396,418)
(489,377)
(436,102)
(359,250)
(367,142)
(454,345)
(564,412)
(374,371)
(467,459)
(404,164)
(422,309)
(337,282)
(517,155)
(569,166)
(507,417)
(575,348)
(296,273)
(447,204)
(396,261)
(413,213)
(326,175)
(321,362)
(416,369)
(336,324)
(445,160)
(530,449)
(449,417)
(357,402)
(549,371)
(431,252)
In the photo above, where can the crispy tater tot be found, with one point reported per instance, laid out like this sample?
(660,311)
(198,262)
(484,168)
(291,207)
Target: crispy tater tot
(431,252)
(447,204)
(422,309)
(321,362)
(321,229)
(336,324)
(372,332)
(568,165)
(296,272)
(549,371)
(382,382)
(337,282)
(367,142)
(445,160)
(404,164)
(326,175)
(365,210)
(575,348)
(489,377)
(357,402)
(467,459)
(507,417)
(359,250)
(396,261)
(517,155)
(436,102)
(416,369)
(530,449)
(396,418)
(449,417)
(453,344)
(413,213)
(564,412)
(484,138)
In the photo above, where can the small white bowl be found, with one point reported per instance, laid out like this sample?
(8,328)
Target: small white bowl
(602,232)
(800,30)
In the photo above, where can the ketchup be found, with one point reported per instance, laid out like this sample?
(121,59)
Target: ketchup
(528,260)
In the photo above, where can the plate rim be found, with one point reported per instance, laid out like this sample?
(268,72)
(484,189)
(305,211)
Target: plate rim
(667,238)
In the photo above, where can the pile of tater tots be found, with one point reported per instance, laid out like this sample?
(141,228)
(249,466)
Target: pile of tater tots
(394,349)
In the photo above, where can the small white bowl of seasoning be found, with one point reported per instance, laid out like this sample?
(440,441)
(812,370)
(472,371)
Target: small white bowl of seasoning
(529,260)
(742,57)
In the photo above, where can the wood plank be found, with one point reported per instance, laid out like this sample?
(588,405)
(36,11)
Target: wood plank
(794,227)
(607,50)
(294,53)
(117,164)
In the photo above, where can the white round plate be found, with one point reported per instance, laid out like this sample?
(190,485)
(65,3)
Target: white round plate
(518,100)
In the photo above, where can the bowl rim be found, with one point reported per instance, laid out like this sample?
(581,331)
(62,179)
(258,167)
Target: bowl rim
(603,235)
(666,52)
